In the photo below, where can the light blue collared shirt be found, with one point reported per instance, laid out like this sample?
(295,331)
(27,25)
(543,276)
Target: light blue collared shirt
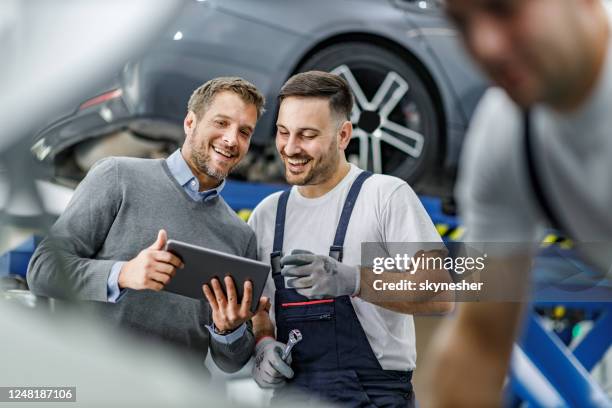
(182,174)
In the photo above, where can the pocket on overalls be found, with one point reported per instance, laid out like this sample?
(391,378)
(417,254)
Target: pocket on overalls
(316,321)
(338,387)
(388,388)
(349,391)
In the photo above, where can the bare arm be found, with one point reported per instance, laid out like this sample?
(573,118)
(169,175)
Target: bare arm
(262,324)
(409,302)
(474,349)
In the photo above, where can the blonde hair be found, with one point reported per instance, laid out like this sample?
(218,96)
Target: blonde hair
(202,97)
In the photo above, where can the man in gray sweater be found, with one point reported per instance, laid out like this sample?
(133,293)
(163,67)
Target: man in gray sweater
(109,243)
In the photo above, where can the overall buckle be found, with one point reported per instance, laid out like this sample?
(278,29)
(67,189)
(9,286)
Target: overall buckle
(336,252)
(275,258)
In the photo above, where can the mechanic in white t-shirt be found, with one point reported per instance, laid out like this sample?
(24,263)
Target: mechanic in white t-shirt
(538,153)
(352,352)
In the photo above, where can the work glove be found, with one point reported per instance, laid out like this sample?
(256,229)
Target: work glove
(319,276)
(269,370)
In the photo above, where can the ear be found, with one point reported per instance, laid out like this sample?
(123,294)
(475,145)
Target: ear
(189,124)
(344,134)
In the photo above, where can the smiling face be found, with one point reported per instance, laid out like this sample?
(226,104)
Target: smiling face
(217,142)
(310,140)
(537,50)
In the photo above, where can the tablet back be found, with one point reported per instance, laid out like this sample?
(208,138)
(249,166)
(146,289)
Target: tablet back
(203,264)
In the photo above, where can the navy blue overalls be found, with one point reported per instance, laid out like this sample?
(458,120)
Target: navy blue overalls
(334,361)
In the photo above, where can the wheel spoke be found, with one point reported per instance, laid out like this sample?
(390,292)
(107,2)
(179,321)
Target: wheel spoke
(376,151)
(363,147)
(391,91)
(355,114)
(360,97)
(396,135)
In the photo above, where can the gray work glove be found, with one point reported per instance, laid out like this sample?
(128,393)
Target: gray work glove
(319,276)
(269,370)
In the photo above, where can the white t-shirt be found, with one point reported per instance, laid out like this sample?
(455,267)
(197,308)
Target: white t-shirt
(387,210)
(574,153)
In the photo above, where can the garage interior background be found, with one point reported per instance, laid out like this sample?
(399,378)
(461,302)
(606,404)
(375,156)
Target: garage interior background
(415,92)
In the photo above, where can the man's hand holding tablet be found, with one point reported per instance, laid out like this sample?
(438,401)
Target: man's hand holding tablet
(227,313)
(231,305)
(152,268)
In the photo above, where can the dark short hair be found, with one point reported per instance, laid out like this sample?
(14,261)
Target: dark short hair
(202,97)
(319,84)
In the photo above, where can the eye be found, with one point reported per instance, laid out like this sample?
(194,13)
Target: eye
(221,123)
(245,132)
(282,132)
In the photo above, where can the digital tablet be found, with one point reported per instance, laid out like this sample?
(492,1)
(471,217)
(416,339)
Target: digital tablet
(203,264)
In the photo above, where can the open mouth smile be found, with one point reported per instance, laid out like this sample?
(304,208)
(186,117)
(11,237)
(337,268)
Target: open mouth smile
(225,154)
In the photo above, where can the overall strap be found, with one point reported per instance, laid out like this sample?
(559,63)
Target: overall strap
(537,184)
(279,232)
(336,250)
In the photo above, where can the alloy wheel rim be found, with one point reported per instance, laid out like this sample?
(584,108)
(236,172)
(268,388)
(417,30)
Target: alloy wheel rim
(373,125)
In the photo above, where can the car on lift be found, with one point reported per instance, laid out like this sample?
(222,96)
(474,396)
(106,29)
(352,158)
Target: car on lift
(414,87)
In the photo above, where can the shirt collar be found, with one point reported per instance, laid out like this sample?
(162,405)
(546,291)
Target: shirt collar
(182,173)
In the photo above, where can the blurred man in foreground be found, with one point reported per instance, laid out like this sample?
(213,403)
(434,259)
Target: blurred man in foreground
(538,152)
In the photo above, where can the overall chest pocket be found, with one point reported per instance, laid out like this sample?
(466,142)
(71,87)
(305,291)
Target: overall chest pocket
(316,320)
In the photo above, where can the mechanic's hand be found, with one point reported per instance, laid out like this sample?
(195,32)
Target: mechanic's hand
(227,313)
(319,276)
(152,268)
(269,370)
(262,324)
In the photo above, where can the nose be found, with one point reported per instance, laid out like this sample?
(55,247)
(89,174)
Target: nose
(292,147)
(230,137)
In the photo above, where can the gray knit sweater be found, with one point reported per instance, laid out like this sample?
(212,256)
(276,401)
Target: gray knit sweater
(116,212)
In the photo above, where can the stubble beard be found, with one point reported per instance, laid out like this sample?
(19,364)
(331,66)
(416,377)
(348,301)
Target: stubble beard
(323,171)
(201,161)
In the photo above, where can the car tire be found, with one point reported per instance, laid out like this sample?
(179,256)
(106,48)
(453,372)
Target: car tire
(411,125)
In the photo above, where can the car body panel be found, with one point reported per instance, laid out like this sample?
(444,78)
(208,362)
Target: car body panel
(265,41)
(426,35)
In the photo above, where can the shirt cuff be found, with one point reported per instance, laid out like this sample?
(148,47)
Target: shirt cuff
(112,284)
(227,338)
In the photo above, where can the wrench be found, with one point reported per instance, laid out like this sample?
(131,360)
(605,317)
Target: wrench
(295,336)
